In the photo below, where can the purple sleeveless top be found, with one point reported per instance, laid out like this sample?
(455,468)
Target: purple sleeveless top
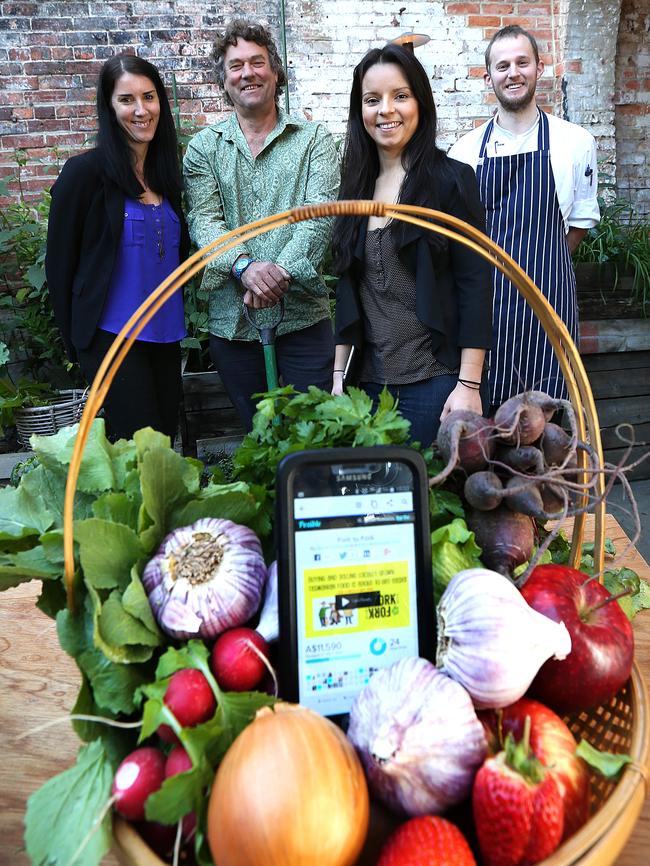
(148,252)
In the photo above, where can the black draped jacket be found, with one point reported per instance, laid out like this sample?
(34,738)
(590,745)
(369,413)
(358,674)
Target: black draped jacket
(453,284)
(84,230)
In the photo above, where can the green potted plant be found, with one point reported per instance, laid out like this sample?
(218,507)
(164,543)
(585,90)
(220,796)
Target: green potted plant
(613,265)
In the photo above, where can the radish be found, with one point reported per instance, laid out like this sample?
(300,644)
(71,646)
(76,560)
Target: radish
(178,761)
(159,837)
(239,659)
(190,699)
(140,774)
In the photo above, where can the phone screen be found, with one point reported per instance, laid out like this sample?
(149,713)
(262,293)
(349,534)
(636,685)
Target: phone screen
(355,561)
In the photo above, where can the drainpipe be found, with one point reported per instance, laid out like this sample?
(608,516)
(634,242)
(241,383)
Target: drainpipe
(283,36)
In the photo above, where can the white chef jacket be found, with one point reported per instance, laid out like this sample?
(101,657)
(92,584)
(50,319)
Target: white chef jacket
(573,160)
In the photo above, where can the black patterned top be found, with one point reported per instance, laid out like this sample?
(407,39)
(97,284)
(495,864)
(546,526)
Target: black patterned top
(397,346)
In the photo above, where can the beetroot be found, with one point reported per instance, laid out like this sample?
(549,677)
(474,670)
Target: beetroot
(521,419)
(556,444)
(483,490)
(464,440)
(506,539)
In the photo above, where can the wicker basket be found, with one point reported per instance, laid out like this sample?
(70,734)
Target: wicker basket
(62,410)
(620,726)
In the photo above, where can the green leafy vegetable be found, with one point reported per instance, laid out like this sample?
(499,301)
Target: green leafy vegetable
(453,549)
(625,579)
(607,764)
(61,815)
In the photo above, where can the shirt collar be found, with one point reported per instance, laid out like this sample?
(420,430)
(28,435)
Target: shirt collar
(231,130)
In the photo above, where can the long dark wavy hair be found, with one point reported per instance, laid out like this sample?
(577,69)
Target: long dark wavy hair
(161,168)
(424,162)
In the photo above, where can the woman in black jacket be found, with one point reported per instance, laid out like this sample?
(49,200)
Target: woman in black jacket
(416,307)
(115,231)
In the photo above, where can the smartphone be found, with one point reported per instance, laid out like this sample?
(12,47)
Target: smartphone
(354,570)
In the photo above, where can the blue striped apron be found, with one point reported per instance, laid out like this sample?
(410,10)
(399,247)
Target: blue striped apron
(523,216)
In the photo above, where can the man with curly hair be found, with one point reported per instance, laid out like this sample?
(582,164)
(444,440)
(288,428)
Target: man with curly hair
(257,162)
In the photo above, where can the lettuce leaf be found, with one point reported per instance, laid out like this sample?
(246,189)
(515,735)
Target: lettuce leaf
(453,549)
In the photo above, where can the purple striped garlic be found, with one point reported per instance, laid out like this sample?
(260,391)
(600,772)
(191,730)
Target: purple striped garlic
(205,578)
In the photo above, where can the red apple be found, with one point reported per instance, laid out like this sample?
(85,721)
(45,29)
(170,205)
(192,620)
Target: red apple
(553,744)
(602,643)
(237,666)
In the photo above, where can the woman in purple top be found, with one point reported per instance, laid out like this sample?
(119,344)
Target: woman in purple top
(115,231)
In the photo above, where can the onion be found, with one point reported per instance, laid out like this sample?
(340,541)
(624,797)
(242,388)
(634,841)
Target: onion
(290,791)
(205,578)
(491,641)
(418,736)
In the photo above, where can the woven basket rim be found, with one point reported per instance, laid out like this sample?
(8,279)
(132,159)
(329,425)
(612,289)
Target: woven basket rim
(67,398)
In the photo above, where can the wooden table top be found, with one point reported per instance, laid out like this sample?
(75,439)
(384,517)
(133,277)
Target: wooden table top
(40,683)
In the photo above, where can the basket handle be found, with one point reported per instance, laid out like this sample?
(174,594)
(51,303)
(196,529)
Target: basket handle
(445,224)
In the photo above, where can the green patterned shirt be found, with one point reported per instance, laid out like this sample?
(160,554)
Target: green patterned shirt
(226,188)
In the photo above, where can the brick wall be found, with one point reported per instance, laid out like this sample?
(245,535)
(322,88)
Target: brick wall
(632,104)
(50,53)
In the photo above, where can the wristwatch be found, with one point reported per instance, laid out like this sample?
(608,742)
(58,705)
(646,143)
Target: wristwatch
(240,266)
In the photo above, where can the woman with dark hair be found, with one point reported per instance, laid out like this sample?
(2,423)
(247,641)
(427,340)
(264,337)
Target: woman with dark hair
(115,231)
(416,307)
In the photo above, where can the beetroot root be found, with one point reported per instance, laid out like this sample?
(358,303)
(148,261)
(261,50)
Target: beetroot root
(506,539)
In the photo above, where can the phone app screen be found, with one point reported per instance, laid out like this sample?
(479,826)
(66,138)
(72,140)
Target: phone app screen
(356,602)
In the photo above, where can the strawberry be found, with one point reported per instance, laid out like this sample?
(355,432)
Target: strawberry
(426,841)
(518,807)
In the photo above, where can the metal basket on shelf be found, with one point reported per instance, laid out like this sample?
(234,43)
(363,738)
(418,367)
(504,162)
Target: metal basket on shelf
(623,725)
(63,409)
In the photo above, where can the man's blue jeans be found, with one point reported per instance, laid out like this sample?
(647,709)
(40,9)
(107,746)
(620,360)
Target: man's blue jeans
(304,358)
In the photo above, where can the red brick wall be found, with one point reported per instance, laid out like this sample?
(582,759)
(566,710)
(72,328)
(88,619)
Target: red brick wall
(50,53)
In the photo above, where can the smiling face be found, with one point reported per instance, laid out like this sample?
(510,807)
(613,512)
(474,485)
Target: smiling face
(249,80)
(514,72)
(137,108)
(389,108)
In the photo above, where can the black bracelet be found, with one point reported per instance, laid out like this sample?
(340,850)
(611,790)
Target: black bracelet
(339,371)
(468,383)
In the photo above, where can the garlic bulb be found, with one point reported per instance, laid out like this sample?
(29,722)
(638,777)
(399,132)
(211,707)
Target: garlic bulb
(491,641)
(269,625)
(205,578)
(418,737)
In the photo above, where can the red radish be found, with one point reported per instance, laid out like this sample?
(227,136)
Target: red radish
(191,700)
(178,761)
(235,664)
(140,774)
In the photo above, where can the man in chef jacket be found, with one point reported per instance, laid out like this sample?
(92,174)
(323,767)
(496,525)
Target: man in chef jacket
(538,181)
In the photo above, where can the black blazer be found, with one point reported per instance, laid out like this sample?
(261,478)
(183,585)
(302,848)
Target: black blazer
(84,230)
(453,285)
